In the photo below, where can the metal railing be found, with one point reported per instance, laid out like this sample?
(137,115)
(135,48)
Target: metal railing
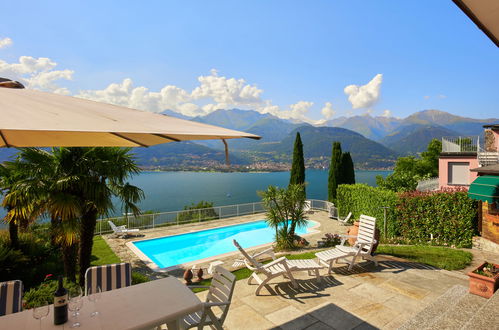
(488,157)
(461,144)
(163,219)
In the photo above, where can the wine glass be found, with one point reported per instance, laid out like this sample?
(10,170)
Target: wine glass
(75,304)
(94,295)
(41,311)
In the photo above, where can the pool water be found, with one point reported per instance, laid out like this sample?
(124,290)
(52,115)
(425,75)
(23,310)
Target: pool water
(180,249)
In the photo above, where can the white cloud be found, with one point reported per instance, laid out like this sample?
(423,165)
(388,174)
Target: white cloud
(226,92)
(426,97)
(5,42)
(366,95)
(328,111)
(386,113)
(36,73)
(442,96)
(125,94)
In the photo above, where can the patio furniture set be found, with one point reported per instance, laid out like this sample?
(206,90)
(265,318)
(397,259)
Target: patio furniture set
(168,301)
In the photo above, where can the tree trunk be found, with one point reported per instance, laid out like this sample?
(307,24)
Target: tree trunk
(13,234)
(88,222)
(69,255)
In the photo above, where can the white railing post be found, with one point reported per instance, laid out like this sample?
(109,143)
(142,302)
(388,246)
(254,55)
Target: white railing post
(219,213)
(199,215)
(237,209)
(153,220)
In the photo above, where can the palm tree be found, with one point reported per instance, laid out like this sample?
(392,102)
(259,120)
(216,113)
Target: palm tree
(75,186)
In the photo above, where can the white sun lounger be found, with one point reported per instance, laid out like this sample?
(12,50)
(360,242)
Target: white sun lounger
(121,230)
(276,268)
(361,249)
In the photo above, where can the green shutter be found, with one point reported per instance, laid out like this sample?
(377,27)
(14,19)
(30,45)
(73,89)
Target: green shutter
(485,188)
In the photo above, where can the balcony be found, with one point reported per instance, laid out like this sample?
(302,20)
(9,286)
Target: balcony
(460,144)
(467,145)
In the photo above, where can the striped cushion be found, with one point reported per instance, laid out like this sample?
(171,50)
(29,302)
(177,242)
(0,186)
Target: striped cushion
(108,277)
(10,297)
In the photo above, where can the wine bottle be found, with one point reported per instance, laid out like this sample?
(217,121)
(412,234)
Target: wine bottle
(60,304)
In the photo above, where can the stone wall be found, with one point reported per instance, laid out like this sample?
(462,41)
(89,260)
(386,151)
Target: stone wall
(490,222)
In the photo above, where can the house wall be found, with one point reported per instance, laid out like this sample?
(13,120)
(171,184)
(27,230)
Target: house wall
(443,167)
(490,222)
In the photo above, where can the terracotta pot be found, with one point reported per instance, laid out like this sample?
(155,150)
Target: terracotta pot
(482,285)
(188,276)
(200,274)
(352,231)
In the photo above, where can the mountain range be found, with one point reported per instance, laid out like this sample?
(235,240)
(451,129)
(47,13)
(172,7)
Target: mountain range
(374,142)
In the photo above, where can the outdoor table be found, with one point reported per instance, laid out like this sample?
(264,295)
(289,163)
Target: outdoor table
(141,306)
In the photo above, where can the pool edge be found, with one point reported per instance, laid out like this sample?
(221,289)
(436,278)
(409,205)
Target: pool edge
(154,267)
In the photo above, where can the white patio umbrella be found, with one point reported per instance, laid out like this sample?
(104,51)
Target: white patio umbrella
(30,118)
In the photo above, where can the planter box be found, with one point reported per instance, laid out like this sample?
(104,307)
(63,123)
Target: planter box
(482,285)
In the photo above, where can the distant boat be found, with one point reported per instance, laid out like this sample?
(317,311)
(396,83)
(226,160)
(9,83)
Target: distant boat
(228,195)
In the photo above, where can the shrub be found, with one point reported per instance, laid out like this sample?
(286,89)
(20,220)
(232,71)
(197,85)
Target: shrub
(138,278)
(202,211)
(331,240)
(363,199)
(448,216)
(34,259)
(44,293)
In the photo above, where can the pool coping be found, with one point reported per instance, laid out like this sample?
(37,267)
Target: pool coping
(155,268)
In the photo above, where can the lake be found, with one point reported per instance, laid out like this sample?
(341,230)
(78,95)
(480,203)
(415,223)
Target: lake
(171,191)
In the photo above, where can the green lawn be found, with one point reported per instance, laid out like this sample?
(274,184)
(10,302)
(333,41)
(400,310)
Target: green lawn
(441,257)
(102,253)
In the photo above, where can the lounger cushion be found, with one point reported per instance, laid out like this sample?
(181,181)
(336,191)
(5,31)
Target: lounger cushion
(10,297)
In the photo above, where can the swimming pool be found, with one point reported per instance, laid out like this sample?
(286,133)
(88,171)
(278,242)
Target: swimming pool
(169,251)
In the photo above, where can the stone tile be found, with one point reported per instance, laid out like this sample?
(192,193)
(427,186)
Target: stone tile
(336,317)
(397,322)
(403,304)
(291,318)
(264,304)
(365,326)
(372,292)
(372,278)
(405,289)
(376,314)
(319,326)
(247,316)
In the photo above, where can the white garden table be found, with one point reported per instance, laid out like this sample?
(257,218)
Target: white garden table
(141,306)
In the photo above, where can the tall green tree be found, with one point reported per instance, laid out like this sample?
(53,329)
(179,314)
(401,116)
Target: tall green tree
(347,169)
(334,171)
(297,175)
(409,170)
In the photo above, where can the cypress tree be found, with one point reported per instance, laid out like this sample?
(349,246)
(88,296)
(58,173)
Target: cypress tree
(347,169)
(297,170)
(298,165)
(334,171)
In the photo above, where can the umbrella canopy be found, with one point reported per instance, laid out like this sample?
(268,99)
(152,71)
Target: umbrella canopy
(31,118)
(485,14)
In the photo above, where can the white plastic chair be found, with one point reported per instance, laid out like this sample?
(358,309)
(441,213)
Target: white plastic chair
(361,249)
(219,297)
(345,220)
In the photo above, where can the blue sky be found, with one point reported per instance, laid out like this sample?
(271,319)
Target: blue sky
(290,58)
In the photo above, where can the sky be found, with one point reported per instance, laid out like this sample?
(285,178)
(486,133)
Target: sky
(304,60)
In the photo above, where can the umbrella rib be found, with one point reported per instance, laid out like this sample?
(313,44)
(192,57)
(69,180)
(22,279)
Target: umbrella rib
(128,139)
(5,140)
(167,137)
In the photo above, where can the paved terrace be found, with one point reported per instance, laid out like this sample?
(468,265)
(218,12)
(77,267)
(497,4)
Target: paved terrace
(366,297)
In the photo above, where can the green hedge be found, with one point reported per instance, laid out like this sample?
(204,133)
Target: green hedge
(363,199)
(450,216)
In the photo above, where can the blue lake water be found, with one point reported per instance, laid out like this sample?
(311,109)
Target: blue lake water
(181,249)
(171,191)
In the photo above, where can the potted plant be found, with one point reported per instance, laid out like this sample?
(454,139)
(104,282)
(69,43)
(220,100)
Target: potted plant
(484,280)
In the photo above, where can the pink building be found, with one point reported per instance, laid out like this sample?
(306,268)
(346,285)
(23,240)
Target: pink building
(462,154)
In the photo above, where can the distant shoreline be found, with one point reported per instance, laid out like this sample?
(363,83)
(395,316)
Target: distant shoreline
(241,171)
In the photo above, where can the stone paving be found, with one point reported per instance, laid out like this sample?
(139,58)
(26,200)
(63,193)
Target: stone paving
(368,297)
